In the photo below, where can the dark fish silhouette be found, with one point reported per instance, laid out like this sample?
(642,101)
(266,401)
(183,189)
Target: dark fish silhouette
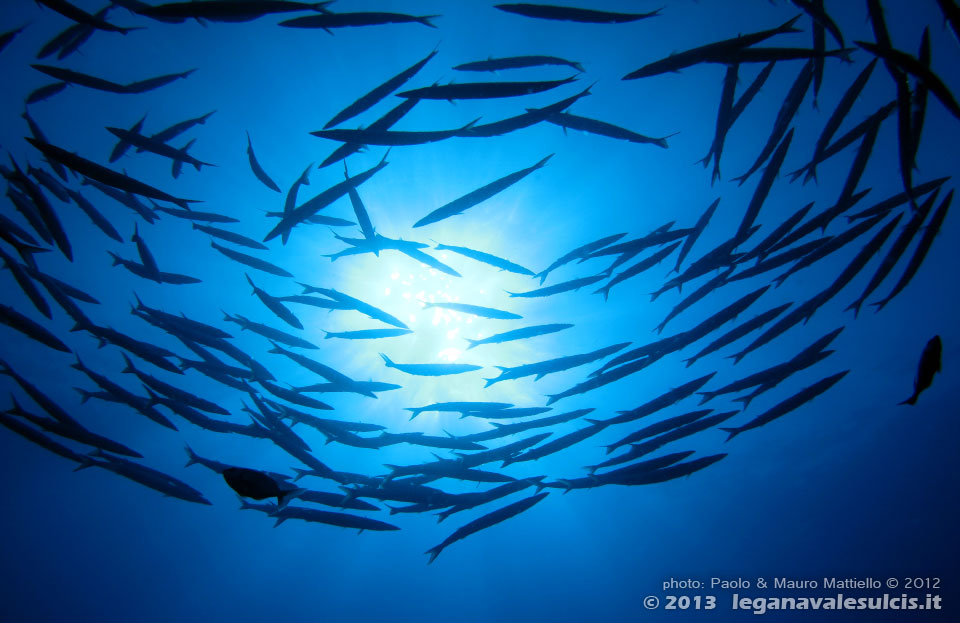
(573,14)
(268,332)
(602,128)
(706,53)
(566,286)
(327,21)
(368,100)
(929,366)
(257,168)
(225,10)
(104,175)
(519,334)
(486,258)
(252,262)
(476,310)
(483,90)
(430,369)
(786,406)
(275,305)
(82,17)
(15,320)
(459,206)
(516,62)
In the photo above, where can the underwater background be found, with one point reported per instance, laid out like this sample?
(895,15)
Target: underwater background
(848,485)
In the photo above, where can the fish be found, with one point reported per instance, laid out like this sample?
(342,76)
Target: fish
(788,110)
(541,369)
(140,270)
(45,210)
(429,260)
(506,429)
(145,143)
(366,334)
(476,310)
(252,262)
(695,296)
(652,430)
(471,199)
(430,369)
(82,17)
(146,257)
(837,116)
(326,21)
(458,407)
(573,14)
(909,64)
(257,168)
(100,84)
(490,519)
(763,187)
(94,215)
(40,439)
(761,251)
(737,332)
(225,10)
(104,175)
(566,286)
(602,128)
(702,54)
(516,62)
(895,252)
(275,306)
(819,221)
(314,205)
(484,90)
(124,396)
(72,429)
(10,35)
(35,331)
(22,277)
(558,444)
(229,236)
(518,334)
(786,406)
(532,117)
(510,413)
(377,94)
(579,253)
(923,247)
(899,199)
(698,228)
(354,303)
(382,124)
(486,258)
(196,215)
(147,476)
(171,391)
(919,101)
(928,367)
(269,332)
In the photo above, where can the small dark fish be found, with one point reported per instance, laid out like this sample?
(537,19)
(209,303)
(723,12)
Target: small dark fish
(761,250)
(194,215)
(602,128)
(486,258)
(928,367)
(896,251)
(485,521)
(556,445)
(40,439)
(705,53)
(830,246)
(580,252)
(641,266)
(383,123)
(368,100)
(786,406)
(516,62)
(171,391)
(657,428)
(525,120)
(471,199)
(104,175)
(366,334)
(483,90)
(914,67)
(140,270)
(788,110)
(127,199)
(504,430)
(354,303)
(230,236)
(566,286)
(15,320)
(327,21)
(819,221)
(148,477)
(391,138)
(476,310)
(737,332)
(429,260)
(269,332)
(701,224)
(45,92)
(926,241)
(146,257)
(275,306)
(836,118)
(257,169)
(22,277)
(430,369)
(541,369)
(252,262)
(225,10)
(458,407)
(9,36)
(573,14)
(763,187)
(519,334)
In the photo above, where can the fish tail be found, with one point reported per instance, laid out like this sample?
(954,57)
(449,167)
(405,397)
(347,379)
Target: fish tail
(84,394)
(117,260)
(733,432)
(434,552)
(912,400)
(192,456)
(425,20)
(386,360)
(129,365)
(707,397)
(855,306)
(472,343)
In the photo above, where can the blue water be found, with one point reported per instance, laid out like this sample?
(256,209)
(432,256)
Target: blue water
(849,485)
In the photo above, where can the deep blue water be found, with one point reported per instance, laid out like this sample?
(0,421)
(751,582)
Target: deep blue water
(849,485)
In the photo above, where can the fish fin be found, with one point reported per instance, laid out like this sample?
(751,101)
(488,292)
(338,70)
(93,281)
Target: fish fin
(912,400)
(733,432)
